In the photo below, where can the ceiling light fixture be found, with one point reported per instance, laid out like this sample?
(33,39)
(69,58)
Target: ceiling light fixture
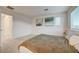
(9,7)
(46,9)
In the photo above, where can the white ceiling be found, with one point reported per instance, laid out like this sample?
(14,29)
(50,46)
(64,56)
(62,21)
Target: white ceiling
(39,10)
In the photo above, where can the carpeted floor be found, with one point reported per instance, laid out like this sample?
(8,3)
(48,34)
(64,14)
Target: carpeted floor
(48,44)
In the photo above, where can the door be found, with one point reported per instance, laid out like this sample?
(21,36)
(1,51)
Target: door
(6,29)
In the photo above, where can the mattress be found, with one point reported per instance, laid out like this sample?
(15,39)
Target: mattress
(48,44)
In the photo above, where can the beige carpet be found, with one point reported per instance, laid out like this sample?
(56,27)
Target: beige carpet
(48,44)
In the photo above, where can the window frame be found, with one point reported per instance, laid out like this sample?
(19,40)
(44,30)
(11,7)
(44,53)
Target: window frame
(73,28)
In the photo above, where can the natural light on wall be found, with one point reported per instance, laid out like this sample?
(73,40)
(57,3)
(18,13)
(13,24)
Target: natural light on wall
(58,21)
(75,19)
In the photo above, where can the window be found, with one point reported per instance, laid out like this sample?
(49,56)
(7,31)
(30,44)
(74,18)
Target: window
(48,21)
(75,19)
(39,22)
(52,21)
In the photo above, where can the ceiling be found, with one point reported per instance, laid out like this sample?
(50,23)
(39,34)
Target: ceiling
(33,11)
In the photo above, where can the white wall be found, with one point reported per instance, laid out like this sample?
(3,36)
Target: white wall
(53,30)
(0,29)
(22,25)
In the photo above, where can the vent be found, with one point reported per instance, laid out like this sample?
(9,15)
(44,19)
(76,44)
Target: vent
(9,7)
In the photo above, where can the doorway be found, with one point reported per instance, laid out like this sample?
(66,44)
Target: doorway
(6,29)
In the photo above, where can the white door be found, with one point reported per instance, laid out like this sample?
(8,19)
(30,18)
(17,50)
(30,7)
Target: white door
(6,28)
